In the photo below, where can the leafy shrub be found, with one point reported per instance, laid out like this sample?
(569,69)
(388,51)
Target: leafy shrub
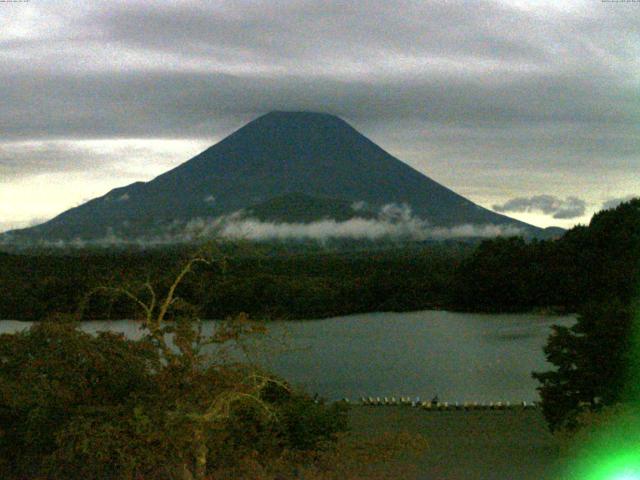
(52,374)
(594,362)
(78,406)
(75,405)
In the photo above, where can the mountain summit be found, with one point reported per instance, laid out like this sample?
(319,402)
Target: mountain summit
(273,157)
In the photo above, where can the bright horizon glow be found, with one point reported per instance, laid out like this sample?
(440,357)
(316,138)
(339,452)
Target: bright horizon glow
(104,164)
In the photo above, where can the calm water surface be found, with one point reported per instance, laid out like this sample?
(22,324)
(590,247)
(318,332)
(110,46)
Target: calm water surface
(459,357)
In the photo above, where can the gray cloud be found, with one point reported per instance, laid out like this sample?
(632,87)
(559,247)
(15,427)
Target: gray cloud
(544,87)
(21,159)
(198,104)
(6,226)
(191,69)
(288,32)
(570,207)
(614,202)
(31,158)
(358,229)
(393,222)
(295,33)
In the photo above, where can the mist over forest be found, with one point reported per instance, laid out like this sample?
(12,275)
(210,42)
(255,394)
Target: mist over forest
(295,278)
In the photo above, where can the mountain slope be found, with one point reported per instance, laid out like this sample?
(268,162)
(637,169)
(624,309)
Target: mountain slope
(301,208)
(276,155)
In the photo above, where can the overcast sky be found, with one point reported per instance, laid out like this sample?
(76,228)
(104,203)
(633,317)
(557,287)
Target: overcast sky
(531,108)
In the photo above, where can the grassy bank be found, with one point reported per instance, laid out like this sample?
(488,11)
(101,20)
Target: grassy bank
(476,445)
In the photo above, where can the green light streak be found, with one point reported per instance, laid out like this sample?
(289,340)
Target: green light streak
(610,448)
(612,453)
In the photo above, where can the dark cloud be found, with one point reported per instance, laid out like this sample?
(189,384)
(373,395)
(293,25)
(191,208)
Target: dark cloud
(570,207)
(297,32)
(196,104)
(184,68)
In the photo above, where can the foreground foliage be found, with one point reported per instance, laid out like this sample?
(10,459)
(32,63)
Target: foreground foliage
(598,359)
(73,405)
(175,404)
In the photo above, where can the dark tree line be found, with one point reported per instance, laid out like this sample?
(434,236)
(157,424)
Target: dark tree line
(593,270)
(266,285)
(499,275)
(586,265)
(597,361)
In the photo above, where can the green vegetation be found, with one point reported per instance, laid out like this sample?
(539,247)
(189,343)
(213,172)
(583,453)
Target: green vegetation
(592,360)
(78,406)
(303,280)
(598,359)
(286,281)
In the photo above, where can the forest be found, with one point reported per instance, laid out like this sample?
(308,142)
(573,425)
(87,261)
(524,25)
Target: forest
(280,281)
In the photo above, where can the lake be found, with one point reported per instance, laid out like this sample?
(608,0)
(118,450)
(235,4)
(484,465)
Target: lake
(458,356)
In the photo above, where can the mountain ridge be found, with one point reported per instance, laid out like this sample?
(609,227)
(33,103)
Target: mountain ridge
(277,154)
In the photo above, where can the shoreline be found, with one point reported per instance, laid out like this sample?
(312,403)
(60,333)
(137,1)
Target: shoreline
(535,312)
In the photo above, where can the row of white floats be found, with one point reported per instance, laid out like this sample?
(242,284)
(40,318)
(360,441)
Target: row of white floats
(441,406)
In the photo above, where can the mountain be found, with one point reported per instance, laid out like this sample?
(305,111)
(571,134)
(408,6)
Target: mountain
(287,166)
(302,208)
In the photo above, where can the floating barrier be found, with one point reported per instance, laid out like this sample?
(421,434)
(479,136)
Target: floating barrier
(407,401)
